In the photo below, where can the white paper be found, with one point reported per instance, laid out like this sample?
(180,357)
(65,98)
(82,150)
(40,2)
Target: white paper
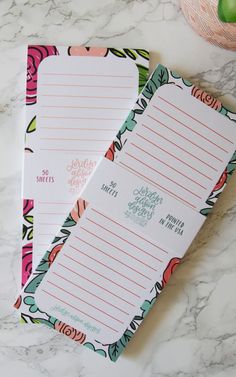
(81,104)
(137,219)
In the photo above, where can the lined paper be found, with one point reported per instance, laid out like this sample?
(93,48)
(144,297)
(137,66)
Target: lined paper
(180,146)
(175,154)
(81,103)
(105,271)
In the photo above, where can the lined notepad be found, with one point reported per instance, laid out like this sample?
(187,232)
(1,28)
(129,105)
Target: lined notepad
(136,218)
(81,103)
(178,148)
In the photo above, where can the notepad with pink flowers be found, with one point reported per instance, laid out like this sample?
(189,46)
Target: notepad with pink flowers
(76,99)
(136,216)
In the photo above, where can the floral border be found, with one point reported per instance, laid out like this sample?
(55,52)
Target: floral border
(27,236)
(164,76)
(36,54)
(30,313)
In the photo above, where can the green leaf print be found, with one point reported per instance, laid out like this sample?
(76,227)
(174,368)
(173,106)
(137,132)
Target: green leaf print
(31,126)
(98,350)
(205,211)
(134,324)
(143,53)
(223,111)
(45,322)
(116,348)
(233,158)
(117,146)
(143,76)
(138,111)
(33,284)
(24,231)
(159,78)
(29,219)
(177,76)
(69,221)
(43,265)
(118,53)
(147,305)
(65,231)
(56,239)
(29,300)
(129,124)
(144,103)
(30,234)
(36,321)
(231,167)
(130,53)
(26,318)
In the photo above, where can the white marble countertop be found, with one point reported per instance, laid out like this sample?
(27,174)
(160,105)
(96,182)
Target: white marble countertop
(191,331)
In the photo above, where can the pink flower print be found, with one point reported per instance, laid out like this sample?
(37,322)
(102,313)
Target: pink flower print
(35,55)
(27,206)
(26,262)
(206,98)
(87,51)
(69,331)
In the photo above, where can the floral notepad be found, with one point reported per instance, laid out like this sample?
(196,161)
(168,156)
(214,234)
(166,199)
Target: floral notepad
(136,217)
(76,100)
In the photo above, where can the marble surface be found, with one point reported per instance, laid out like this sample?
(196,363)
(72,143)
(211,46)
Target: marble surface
(191,331)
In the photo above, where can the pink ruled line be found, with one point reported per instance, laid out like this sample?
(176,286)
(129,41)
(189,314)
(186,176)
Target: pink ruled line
(169,166)
(50,224)
(95,283)
(85,107)
(123,239)
(90,86)
(130,231)
(79,129)
(177,158)
(108,267)
(110,256)
(189,128)
(87,303)
(163,175)
(72,139)
(79,310)
(91,293)
(85,74)
(83,118)
(182,136)
(76,96)
(159,186)
(71,150)
(182,149)
(197,120)
(97,273)
(56,203)
(52,213)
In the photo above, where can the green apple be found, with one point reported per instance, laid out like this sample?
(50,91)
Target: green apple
(227,10)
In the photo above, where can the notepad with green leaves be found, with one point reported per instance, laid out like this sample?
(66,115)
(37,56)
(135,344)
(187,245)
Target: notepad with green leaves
(136,216)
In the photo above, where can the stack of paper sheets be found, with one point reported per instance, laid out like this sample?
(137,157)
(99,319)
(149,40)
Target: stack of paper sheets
(100,266)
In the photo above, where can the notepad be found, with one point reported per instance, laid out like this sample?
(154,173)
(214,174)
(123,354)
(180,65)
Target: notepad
(77,98)
(135,219)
